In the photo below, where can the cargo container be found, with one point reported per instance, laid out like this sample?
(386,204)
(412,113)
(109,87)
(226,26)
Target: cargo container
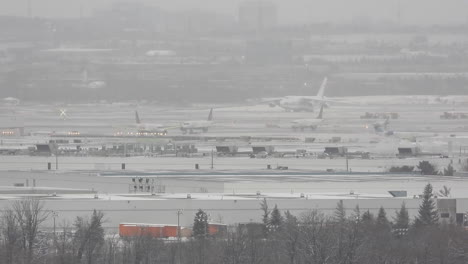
(170,231)
(138,229)
(217,229)
(153,230)
(166,231)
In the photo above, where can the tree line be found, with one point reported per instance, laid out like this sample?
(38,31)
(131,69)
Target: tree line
(345,237)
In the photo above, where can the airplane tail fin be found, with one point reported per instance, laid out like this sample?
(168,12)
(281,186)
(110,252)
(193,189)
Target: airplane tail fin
(322,88)
(137,118)
(320,115)
(210,116)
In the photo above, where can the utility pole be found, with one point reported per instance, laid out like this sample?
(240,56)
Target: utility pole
(179,212)
(54,215)
(347,163)
(56,156)
(212,159)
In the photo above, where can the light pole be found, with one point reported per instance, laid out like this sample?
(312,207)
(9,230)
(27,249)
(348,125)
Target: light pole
(212,158)
(179,213)
(347,163)
(56,147)
(54,215)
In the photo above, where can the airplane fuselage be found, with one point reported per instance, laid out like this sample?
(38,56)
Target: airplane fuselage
(302,124)
(296,104)
(151,129)
(191,126)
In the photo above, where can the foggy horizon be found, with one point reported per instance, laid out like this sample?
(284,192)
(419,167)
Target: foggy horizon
(233,131)
(417,12)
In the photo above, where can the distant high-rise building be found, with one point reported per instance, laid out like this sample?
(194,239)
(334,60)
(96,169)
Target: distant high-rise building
(257,15)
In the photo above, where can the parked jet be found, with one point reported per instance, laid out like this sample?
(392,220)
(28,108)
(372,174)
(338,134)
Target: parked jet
(192,126)
(8,105)
(149,129)
(11,101)
(160,53)
(312,124)
(301,103)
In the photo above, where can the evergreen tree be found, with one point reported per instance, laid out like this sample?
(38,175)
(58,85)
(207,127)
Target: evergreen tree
(382,221)
(427,214)
(200,224)
(340,212)
(276,220)
(89,236)
(290,218)
(402,217)
(427,168)
(265,216)
(266,212)
(367,218)
(449,171)
(356,214)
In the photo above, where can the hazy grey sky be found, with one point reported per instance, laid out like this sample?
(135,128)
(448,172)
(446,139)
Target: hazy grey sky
(290,11)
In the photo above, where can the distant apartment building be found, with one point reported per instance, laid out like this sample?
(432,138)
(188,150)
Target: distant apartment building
(257,15)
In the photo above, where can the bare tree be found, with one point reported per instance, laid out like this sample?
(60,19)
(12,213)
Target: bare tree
(10,235)
(235,247)
(291,234)
(316,243)
(464,165)
(64,244)
(445,191)
(111,250)
(29,214)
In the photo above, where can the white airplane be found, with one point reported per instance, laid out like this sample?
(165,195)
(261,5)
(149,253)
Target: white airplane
(301,103)
(153,53)
(11,101)
(203,125)
(312,124)
(149,129)
(96,84)
(408,53)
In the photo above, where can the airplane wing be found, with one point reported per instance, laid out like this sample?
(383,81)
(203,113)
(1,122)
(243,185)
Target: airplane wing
(325,100)
(171,126)
(270,99)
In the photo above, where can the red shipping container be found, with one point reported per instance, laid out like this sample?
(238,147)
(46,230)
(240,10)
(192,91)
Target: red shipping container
(215,229)
(137,229)
(170,231)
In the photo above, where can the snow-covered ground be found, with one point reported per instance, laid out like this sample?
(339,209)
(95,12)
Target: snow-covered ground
(229,191)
